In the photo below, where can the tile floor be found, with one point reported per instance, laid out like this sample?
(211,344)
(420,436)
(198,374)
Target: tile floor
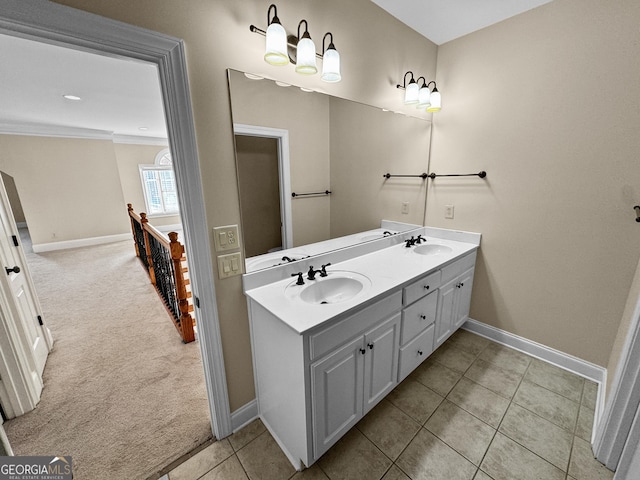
(474,410)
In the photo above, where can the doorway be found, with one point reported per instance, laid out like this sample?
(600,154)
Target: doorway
(52,23)
(264,182)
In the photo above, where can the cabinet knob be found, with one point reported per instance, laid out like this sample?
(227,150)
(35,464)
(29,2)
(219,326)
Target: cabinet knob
(420,352)
(370,345)
(426,287)
(363,351)
(461,284)
(423,317)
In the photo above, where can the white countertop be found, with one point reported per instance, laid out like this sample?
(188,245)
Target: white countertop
(387,269)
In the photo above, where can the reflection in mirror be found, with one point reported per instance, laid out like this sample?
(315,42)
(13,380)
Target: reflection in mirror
(291,141)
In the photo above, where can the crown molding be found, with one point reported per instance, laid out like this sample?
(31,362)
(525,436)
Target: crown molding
(82,133)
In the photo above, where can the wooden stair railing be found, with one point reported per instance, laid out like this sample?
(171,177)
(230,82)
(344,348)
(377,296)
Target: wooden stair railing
(166,265)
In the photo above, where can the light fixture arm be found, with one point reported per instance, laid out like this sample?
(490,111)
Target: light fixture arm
(331,46)
(275,15)
(404,82)
(306,30)
(434,85)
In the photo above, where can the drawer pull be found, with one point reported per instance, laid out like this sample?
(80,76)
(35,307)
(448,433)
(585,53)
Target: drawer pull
(420,352)
(370,345)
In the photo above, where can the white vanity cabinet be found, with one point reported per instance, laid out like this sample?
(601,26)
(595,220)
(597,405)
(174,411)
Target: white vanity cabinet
(313,387)
(454,297)
(350,381)
(319,369)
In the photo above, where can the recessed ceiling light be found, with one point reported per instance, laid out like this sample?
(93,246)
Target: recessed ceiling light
(73,98)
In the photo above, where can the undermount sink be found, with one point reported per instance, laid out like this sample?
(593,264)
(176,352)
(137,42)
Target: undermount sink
(335,288)
(432,249)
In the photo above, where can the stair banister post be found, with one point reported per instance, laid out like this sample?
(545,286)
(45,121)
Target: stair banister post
(133,227)
(147,246)
(186,321)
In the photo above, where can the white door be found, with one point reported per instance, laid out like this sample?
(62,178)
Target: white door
(25,341)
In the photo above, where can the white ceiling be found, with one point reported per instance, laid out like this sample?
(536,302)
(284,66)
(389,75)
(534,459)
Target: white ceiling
(444,20)
(120,96)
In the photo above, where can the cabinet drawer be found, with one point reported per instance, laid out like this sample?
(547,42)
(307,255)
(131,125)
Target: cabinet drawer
(415,352)
(418,316)
(329,338)
(457,267)
(422,287)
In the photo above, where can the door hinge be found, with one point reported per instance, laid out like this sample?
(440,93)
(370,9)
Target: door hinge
(40,320)
(196,301)
(15,241)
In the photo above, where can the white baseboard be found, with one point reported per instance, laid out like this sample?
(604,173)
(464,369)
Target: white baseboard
(81,242)
(244,415)
(550,355)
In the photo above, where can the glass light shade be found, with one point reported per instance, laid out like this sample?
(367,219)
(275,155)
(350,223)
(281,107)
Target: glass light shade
(424,98)
(276,48)
(306,57)
(436,102)
(331,66)
(411,93)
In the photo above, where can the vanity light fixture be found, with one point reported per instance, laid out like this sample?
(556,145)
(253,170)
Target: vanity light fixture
(276,45)
(420,95)
(305,52)
(411,90)
(282,49)
(330,61)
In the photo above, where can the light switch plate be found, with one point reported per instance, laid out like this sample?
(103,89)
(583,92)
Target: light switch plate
(229,265)
(226,238)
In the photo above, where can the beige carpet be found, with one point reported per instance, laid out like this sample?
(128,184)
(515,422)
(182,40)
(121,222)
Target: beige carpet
(123,395)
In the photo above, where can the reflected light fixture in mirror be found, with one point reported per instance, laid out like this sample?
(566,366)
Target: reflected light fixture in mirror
(421,96)
(281,49)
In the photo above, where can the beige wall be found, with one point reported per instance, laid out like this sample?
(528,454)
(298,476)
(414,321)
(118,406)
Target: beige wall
(217,37)
(69,188)
(546,103)
(128,157)
(14,198)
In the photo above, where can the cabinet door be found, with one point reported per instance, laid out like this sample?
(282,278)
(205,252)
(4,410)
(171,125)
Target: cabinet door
(463,298)
(381,361)
(446,311)
(337,394)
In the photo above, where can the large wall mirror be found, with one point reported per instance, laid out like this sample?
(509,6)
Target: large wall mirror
(289,141)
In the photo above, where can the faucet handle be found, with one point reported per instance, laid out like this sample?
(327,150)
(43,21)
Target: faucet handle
(300,280)
(420,239)
(323,271)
